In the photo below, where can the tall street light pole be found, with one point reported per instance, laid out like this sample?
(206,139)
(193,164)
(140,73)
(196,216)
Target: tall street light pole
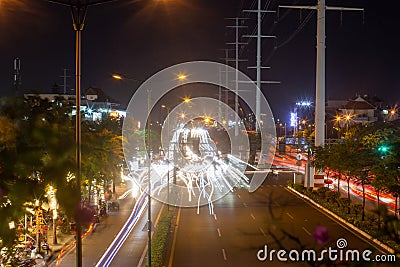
(168,137)
(78,10)
(149,182)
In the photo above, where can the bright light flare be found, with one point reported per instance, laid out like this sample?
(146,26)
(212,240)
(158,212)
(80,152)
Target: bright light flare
(117,76)
(182,76)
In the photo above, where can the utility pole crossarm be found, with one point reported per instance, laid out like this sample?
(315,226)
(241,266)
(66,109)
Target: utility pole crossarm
(298,7)
(263,82)
(261,11)
(261,67)
(327,8)
(232,59)
(239,26)
(344,8)
(262,36)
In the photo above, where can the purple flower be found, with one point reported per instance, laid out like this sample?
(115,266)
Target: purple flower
(321,235)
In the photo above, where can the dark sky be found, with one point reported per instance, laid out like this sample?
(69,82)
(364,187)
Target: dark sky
(140,38)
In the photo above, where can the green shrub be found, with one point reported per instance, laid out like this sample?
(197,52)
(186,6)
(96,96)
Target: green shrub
(160,237)
(322,192)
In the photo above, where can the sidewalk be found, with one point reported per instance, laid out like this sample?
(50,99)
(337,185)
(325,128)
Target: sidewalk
(66,242)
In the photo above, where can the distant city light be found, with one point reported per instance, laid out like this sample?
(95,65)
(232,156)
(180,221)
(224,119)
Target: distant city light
(293,119)
(303,103)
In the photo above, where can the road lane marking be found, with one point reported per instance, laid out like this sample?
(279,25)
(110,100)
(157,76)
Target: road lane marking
(171,257)
(252,216)
(219,232)
(224,254)
(262,231)
(305,230)
(288,214)
(244,204)
(215,216)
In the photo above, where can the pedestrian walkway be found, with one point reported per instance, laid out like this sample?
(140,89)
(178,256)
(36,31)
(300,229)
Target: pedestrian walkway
(102,232)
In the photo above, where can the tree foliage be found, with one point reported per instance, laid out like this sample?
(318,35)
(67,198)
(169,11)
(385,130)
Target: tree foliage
(37,149)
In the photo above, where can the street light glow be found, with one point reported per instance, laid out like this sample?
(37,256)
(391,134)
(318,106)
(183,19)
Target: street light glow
(182,76)
(117,76)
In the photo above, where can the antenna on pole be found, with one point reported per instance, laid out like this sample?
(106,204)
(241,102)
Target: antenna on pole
(236,43)
(258,66)
(17,75)
(226,71)
(64,76)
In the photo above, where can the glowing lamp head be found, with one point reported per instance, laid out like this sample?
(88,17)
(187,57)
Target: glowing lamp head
(182,76)
(117,76)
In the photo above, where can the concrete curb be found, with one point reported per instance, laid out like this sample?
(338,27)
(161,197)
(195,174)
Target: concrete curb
(346,223)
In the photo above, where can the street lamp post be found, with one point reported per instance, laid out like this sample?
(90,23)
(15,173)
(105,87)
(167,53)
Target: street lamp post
(78,10)
(149,182)
(168,137)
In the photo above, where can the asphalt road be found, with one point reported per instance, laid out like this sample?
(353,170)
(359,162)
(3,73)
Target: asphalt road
(245,222)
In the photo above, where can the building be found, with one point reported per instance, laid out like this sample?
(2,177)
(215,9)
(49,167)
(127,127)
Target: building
(95,104)
(360,111)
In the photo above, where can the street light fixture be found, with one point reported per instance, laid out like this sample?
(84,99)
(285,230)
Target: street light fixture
(117,76)
(121,77)
(182,77)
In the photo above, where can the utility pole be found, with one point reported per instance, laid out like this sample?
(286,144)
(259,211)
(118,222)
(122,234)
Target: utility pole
(64,76)
(320,68)
(236,43)
(320,65)
(220,96)
(258,66)
(149,182)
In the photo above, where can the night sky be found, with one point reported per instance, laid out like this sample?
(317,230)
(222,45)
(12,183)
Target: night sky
(140,38)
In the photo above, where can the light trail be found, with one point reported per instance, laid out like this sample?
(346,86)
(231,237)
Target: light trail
(125,231)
